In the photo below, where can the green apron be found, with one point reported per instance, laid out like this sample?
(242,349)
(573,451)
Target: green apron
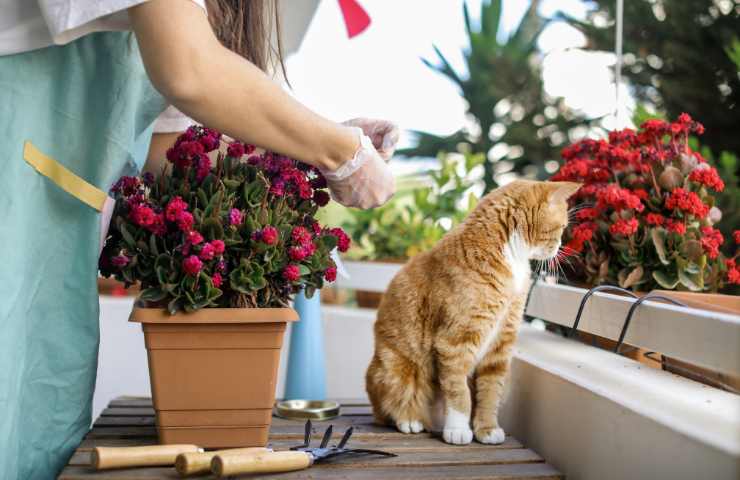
(90,106)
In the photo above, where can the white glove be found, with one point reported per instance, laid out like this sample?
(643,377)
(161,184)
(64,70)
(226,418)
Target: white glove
(384,134)
(365,181)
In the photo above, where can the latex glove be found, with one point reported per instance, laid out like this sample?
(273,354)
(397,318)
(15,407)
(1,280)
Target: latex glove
(365,181)
(105,216)
(384,134)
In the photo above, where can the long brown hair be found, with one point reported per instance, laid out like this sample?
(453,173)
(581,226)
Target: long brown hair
(246,27)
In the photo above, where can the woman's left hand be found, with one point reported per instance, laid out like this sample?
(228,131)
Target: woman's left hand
(384,134)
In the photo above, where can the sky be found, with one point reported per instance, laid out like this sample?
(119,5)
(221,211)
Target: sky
(380,74)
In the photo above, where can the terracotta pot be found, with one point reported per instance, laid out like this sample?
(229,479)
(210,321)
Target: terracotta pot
(213,373)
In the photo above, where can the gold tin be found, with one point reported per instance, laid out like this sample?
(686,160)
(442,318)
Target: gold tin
(307,409)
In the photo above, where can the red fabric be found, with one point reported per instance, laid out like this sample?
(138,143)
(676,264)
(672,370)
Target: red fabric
(355,17)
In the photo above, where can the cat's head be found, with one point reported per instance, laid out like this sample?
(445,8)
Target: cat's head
(541,213)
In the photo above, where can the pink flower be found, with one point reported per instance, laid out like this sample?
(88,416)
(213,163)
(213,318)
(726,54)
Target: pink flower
(210,142)
(204,168)
(301,236)
(235,150)
(119,261)
(207,252)
(193,237)
(217,280)
(235,216)
(330,274)
(297,253)
(291,273)
(158,226)
(219,247)
(174,207)
(343,241)
(736,236)
(184,221)
(278,188)
(269,235)
(142,215)
(192,265)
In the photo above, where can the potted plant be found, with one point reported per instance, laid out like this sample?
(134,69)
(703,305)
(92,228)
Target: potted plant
(219,244)
(415,219)
(645,217)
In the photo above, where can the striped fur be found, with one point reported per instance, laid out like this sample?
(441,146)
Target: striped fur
(451,315)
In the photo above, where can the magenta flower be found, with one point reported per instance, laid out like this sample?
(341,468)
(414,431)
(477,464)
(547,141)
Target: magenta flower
(119,261)
(236,149)
(235,217)
(207,252)
(142,215)
(330,274)
(193,237)
(278,188)
(174,207)
(297,253)
(204,167)
(217,280)
(219,247)
(301,236)
(269,235)
(192,265)
(343,241)
(291,273)
(184,221)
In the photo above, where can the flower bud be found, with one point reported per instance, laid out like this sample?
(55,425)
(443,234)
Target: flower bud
(715,215)
(670,178)
(688,163)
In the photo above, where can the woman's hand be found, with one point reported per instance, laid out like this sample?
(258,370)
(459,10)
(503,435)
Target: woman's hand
(384,134)
(365,181)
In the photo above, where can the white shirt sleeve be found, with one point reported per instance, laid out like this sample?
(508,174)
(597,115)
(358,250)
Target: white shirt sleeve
(68,20)
(172,120)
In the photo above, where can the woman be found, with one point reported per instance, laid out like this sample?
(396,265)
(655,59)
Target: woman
(81,85)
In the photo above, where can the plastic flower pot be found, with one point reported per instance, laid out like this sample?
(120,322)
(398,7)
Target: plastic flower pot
(213,373)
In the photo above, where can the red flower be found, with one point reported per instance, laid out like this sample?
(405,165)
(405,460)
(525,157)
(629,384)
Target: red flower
(204,167)
(736,236)
(297,253)
(587,214)
(174,207)
(321,198)
(655,219)
(219,247)
(192,265)
(343,240)
(624,227)
(733,276)
(217,280)
(236,149)
(193,237)
(184,221)
(711,241)
(675,226)
(207,252)
(158,226)
(330,274)
(269,235)
(687,202)
(142,215)
(301,236)
(291,273)
(708,177)
(618,198)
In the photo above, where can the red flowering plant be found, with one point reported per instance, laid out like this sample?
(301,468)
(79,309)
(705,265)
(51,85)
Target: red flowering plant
(645,215)
(240,232)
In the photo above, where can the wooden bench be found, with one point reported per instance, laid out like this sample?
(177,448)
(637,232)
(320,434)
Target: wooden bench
(129,421)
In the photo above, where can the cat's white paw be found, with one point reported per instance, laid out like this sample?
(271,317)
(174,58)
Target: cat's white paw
(458,436)
(414,426)
(493,436)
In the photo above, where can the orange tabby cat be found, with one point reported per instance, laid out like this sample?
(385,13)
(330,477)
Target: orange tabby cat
(452,313)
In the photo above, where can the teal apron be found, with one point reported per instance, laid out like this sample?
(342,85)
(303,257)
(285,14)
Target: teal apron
(90,106)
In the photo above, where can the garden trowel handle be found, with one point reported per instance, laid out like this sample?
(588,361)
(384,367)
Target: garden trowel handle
(151,455)
(268,462)
(196,463)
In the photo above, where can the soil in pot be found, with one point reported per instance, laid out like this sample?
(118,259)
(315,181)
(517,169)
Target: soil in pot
(213,373)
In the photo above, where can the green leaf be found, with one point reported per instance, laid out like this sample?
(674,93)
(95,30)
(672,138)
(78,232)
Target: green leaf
(127,237)
(153,294)
(658,236)
(174,305)
(153,245)
(304,270)
(665,280)
(633,278)
(329,241)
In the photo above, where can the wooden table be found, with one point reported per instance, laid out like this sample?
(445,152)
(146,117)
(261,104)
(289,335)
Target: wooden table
(129,421)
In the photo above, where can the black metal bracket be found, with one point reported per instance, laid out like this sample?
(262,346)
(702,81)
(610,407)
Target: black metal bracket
(599,288)
(632,310)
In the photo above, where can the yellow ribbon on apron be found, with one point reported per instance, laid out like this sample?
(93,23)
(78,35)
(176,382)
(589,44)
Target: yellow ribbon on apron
(64,178)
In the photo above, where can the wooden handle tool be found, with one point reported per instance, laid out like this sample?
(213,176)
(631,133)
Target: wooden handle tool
(104,458)
(267,462)
(197,463)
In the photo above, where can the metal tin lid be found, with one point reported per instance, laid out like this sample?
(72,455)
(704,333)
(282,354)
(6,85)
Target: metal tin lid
(307,409)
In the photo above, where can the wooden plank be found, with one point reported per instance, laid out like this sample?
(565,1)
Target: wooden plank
(127,412)
(452,456)
(146,402)
(519,471)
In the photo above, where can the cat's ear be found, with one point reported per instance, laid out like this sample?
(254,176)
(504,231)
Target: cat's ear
(561,191)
